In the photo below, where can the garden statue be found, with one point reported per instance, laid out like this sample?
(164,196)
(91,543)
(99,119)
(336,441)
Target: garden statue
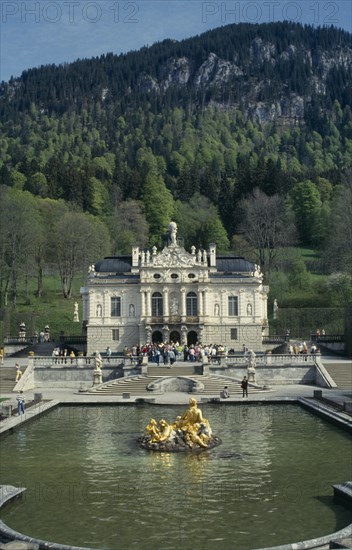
(98,361)
(22,331)
(275,309)
(98,374)
(251,364)
(75,313)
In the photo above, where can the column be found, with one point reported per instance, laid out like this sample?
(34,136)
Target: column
(257,310)
(148,303)
(183,302)
(165,302)
(200,303)
(142,293)
(91,305)
(224,304)
(205,302)
(106,303)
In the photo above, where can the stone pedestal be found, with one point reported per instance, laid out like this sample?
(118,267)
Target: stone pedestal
(97,377)
(251,374)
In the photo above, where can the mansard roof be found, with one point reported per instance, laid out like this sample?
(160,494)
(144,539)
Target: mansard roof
(233,264)
(224,264)
(114,264)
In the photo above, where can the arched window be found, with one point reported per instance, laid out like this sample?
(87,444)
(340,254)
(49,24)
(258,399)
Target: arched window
(157,304)
(191,304)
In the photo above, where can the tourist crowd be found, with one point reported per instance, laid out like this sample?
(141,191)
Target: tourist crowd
(168,353)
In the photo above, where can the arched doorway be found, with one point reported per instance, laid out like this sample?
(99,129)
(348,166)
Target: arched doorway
(157,337)
(192,338)
(175,337)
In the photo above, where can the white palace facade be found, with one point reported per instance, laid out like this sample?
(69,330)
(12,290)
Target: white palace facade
(174,296)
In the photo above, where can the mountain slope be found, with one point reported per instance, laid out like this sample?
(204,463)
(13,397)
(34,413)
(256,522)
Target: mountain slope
(270,71)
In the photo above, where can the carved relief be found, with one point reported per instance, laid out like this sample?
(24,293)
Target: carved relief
(175,256)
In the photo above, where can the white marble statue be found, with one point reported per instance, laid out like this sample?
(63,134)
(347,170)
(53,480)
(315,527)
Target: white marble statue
(98,361)
(174,306)
(275,309)
(173,232)
(75,313)
(251,364)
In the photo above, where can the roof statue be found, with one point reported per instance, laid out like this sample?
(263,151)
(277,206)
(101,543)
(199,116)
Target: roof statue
(172,233)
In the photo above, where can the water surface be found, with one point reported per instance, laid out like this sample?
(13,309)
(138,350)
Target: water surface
(89,484)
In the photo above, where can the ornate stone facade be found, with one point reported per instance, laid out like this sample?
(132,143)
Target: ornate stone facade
(174,295)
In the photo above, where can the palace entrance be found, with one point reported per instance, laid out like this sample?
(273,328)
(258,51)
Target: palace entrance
(157,337)
(192,338)
(175,337)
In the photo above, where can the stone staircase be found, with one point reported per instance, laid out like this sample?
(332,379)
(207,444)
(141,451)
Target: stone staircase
(341,373)
(137,385)
(178,369)
(43,349)
(7,379)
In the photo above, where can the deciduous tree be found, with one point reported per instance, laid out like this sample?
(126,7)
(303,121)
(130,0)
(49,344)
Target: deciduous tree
(267,227)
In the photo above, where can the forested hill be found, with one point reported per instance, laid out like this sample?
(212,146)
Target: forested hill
(281,65)
(142,138)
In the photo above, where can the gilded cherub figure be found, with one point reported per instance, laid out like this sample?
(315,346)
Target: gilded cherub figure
(153,430)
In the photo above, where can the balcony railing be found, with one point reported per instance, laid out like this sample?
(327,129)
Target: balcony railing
(274,339)
(330,338)
(157,320)
(174,319)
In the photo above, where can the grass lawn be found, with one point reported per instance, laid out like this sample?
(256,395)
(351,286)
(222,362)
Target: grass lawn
(51,309)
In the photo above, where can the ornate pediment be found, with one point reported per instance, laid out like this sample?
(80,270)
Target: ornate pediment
(173,256)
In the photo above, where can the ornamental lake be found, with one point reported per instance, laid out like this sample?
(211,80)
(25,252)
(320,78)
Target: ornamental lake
(89,484)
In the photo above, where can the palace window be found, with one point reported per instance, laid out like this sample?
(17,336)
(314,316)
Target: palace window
(234,334)
(233,306)
(115,334)
(157,304)
(115,307)
(191,304)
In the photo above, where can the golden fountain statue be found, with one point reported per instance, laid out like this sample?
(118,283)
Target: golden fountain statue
(191,431)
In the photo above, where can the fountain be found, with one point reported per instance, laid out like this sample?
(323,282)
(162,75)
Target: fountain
(189,432)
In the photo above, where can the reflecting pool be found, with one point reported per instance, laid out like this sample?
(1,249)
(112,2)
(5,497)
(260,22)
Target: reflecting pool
(89,483)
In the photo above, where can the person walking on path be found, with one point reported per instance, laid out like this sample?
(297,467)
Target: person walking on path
(21,403)
(244,386)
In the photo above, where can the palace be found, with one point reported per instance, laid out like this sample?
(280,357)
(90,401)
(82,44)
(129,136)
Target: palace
(174,296)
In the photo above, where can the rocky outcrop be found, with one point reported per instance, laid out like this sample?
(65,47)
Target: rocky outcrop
(243,79)
(177,73)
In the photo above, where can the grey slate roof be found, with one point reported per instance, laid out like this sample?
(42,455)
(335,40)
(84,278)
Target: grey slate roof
(233,264)
(224,264)
(114,264)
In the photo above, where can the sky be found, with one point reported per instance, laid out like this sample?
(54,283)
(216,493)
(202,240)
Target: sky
(40,32)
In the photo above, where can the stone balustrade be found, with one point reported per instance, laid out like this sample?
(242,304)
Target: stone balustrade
(233,360)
